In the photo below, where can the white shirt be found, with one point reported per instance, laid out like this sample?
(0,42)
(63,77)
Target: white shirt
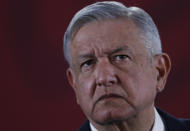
(158,123)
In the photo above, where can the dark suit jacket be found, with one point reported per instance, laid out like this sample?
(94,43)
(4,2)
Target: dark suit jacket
(171,123)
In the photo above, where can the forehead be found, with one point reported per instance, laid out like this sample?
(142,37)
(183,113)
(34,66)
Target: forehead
(107,35)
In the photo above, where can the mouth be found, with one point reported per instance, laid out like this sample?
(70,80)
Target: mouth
(109,96)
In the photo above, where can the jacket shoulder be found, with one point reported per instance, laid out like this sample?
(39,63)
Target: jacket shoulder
(85,126)
(174,124)
(171,123)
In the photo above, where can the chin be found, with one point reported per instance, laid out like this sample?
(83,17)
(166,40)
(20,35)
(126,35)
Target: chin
(112,115)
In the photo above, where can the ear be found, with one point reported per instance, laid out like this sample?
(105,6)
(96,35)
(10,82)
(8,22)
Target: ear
(71,78)
(72,81)
(163,65)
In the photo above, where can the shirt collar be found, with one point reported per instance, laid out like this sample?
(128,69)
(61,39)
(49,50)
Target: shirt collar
(158,123)
(92,127)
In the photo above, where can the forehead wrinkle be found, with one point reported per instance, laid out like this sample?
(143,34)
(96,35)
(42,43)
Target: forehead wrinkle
(86,55)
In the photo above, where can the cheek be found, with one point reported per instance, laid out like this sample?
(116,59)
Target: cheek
(86,85)
(139,85)
(84,93)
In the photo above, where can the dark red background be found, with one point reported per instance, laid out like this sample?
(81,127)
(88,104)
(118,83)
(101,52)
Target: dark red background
(34,94)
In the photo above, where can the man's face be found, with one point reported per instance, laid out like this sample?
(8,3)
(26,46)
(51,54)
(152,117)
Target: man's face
(112,75)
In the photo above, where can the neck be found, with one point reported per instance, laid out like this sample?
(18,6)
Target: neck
(142,121)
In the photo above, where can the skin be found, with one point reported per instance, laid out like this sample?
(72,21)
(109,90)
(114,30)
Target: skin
(114,79)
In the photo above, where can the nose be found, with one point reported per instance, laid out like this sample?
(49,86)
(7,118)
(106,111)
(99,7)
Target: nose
(105,73)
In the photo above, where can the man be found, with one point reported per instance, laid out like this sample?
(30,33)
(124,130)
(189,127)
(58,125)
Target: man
(116,68)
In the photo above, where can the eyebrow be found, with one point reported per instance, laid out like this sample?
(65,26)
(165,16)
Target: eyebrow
(85,56)
(91,54)
(122,48)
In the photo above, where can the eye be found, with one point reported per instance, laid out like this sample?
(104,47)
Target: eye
(120,57)
(87,64)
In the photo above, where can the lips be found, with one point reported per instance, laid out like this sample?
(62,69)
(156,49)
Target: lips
(108,96)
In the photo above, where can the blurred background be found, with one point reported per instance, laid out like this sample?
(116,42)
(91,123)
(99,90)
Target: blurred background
(34,92)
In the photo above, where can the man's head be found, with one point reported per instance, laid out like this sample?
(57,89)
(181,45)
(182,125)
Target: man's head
(110,11)
(116,63)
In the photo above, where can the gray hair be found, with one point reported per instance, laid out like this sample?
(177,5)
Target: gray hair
(110,10)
